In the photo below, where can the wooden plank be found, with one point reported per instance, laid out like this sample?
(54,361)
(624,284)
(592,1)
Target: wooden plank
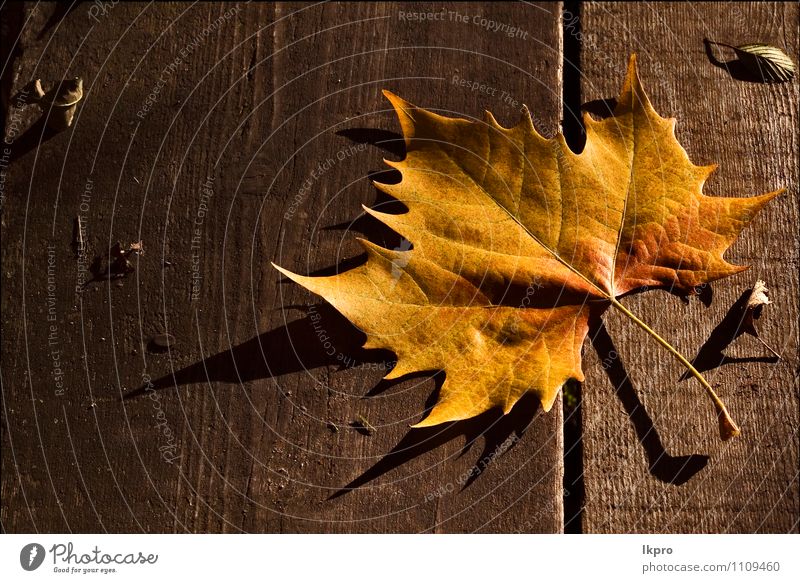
(261,98)
(644,447)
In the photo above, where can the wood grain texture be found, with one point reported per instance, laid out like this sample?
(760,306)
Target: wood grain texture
(270,116)
(643,446)
(253,146)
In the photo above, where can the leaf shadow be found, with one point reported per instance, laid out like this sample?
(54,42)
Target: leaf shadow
(670,469)
(60,11)
(601,108)
(296,346)
(33,137)
(389,141)
(373,229)
(286,349)
(500,434)
(710,355)
(736,68)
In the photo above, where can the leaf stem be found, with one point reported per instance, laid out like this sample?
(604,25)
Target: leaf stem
(772,350)
(727,427)
(720,44)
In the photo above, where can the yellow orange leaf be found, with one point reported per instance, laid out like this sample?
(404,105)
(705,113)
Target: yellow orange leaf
(516,239)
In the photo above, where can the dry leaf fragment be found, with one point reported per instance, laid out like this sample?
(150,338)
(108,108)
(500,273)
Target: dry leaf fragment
(363,424)
(60,103)
(767,62)
(163,340)
(516,240)
(759,297)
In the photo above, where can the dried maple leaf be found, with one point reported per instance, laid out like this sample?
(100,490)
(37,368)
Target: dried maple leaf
(516,239)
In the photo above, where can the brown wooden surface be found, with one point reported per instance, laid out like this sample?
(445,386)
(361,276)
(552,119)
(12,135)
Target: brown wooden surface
(257,106)
(751,483)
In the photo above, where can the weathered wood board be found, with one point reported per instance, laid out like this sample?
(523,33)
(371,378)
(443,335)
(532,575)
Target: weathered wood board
(652,459)
(224,137)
